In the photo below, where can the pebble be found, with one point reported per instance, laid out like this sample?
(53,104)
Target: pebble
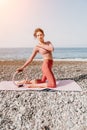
(33,110)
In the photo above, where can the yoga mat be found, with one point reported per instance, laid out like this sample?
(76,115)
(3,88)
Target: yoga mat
(62,85)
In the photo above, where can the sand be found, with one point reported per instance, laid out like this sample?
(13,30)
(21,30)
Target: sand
(33,110)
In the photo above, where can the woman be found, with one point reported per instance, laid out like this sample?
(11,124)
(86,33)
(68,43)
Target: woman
(45,48)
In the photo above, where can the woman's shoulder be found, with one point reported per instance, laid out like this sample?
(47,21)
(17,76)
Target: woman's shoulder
(48,42)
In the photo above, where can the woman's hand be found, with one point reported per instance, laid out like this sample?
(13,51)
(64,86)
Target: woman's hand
(47,46)
(19,69)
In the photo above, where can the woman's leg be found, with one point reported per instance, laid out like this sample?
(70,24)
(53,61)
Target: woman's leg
(47,70)
(47,75)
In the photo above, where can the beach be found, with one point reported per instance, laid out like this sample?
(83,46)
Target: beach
(32,110)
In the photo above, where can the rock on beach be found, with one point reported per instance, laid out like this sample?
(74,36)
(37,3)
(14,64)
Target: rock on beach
(44,110)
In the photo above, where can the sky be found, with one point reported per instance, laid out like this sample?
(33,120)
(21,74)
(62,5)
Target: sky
(63,21)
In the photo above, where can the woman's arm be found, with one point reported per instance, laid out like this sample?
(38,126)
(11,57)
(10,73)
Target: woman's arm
(48,46)
(29,60)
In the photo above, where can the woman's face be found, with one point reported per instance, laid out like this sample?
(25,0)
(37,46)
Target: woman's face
(40,36)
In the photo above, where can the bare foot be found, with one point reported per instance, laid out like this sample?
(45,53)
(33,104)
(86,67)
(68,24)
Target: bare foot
(35,85)
(21,83)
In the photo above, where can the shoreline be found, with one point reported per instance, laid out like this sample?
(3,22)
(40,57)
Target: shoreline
(70,59)
(77,59)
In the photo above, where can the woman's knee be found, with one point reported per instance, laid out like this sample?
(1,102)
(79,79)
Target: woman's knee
(52,85)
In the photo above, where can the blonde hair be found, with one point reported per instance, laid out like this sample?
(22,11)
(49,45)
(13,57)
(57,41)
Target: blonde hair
(38,30)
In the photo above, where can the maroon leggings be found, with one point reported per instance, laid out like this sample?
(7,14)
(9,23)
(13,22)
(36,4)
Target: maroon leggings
(48,74)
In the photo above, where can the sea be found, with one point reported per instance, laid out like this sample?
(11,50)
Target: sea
(58,54)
